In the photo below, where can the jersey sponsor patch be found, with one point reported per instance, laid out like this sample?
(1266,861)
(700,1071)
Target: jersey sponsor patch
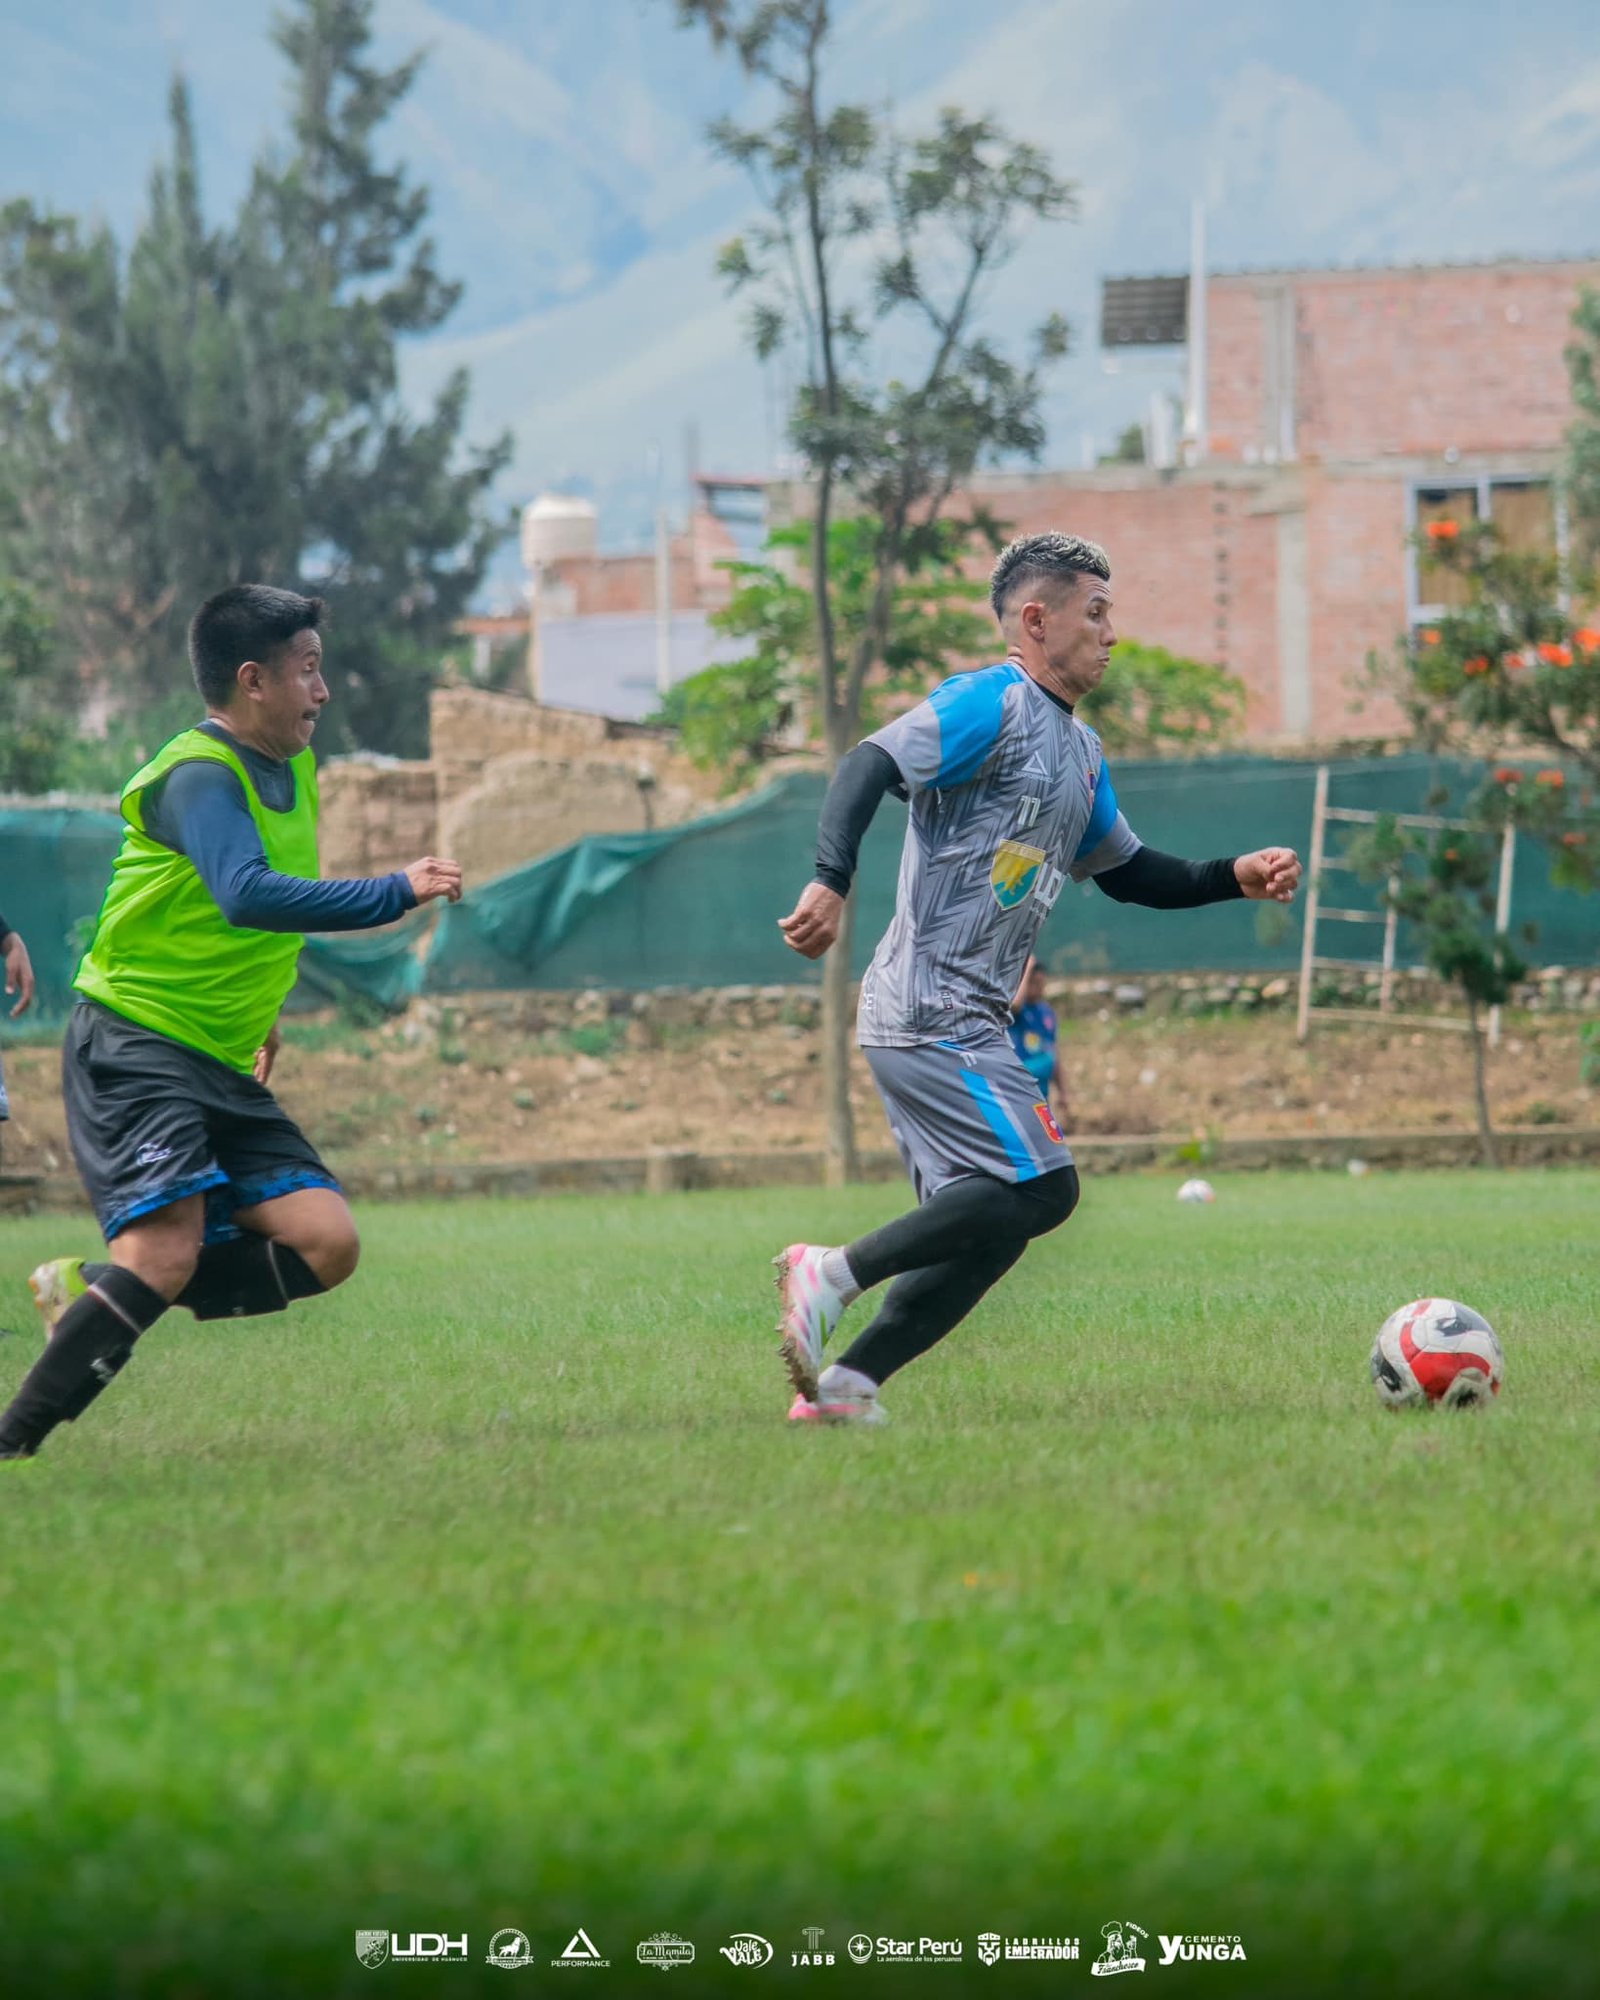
(1042,1112)
(1014,871)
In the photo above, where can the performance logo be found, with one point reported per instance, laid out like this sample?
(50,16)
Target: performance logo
(665,1949)
(372,1947)
(1122,1950)
(1046,1118)
(581,1951)
(510,1950)
(1014,871)
(746,1948)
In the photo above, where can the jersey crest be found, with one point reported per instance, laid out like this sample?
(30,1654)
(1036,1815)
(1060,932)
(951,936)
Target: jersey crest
(1014,871)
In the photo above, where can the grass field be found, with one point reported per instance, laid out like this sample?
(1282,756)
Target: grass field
(492,1591)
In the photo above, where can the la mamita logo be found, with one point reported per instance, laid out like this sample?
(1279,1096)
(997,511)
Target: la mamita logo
(1174,1949)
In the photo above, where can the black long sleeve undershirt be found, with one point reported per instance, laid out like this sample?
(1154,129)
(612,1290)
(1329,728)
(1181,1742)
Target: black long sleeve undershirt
(1167,882)
(864,775)
(1155,880)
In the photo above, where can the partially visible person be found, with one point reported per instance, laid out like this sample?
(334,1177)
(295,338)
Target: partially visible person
(207,1193)
(1035,1036)
(19,980)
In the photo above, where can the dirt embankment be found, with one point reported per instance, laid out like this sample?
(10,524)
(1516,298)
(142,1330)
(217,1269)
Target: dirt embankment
(467,1088)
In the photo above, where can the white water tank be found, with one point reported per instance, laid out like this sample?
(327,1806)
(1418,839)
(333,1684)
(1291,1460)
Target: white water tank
(555,527)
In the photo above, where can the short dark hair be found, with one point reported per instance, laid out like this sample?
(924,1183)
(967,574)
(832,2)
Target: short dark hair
(247,621)
(1051,558)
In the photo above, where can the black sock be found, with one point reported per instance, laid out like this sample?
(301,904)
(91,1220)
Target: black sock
(247,1276)
(921,1307)
(92,1340)
(964,1216)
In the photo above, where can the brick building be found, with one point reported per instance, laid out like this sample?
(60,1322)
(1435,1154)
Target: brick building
(1342,410)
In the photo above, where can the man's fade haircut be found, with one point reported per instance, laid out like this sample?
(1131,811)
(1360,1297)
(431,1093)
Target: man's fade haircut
(1051,558)
(247,621)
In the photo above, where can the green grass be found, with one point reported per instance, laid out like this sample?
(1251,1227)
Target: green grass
(493,1591)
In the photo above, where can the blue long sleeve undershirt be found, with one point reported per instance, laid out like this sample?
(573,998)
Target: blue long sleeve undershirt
(199,810)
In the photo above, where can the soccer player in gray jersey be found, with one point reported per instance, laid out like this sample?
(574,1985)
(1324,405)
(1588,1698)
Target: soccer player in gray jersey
(1009,796)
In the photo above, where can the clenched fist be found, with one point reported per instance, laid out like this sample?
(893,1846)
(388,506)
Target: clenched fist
(814,924)
(1270,875)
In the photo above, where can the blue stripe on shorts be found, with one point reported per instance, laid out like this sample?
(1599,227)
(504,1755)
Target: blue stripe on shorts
(1000,1123)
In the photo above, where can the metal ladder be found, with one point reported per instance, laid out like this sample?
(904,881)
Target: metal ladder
(1319,912)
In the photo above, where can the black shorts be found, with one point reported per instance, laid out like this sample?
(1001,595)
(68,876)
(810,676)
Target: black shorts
(151,1122)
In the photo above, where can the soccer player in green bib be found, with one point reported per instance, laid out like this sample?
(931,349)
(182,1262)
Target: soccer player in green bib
(207,1193)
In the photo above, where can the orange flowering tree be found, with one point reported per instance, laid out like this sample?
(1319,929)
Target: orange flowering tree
(1513,674)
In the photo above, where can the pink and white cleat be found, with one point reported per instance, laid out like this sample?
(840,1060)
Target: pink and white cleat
(843,1397)
(812,1308)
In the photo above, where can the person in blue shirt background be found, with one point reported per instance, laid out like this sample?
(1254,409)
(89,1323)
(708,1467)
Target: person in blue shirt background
(1033,1036)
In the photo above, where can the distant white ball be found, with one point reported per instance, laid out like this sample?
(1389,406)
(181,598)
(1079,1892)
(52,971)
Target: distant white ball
(1197,1191)
(1356,1168)
(1436,1351)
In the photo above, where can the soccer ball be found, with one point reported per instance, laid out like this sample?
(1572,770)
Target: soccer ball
(1197,1191)
(1436,1351)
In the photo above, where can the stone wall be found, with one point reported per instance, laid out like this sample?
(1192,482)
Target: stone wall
(1553,991)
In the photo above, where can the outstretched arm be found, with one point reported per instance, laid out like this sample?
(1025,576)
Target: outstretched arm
(854,796)
(202,813)
(1166,882)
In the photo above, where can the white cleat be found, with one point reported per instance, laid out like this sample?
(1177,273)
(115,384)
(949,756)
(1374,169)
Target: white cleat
(845,1396)
(811,1310)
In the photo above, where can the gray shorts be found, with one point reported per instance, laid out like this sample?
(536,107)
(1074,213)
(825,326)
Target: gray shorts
(957,1111)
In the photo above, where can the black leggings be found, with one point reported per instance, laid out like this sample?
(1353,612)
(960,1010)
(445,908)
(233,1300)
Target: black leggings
(944,1256)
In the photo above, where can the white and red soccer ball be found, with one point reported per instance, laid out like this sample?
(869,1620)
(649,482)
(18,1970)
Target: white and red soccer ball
(1436,1351)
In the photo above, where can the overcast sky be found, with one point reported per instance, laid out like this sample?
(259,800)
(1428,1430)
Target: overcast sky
(573,191)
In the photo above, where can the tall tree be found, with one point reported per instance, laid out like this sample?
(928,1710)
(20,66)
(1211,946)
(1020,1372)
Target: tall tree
(225,406)
(870,263)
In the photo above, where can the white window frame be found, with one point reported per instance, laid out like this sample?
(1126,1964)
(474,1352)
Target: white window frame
(1483,484)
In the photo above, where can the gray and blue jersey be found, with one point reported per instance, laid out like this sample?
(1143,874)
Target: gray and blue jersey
(1009,796)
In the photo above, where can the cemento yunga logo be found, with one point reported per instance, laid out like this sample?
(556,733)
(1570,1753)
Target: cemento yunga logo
(1122,1949)
(665,1949)
(1173,1948)
(746,1948)
(510,1950)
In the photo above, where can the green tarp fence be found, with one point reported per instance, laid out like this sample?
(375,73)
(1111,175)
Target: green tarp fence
(697,904)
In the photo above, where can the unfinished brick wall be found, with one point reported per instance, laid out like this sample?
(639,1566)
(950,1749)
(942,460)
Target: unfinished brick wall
(1405,361)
